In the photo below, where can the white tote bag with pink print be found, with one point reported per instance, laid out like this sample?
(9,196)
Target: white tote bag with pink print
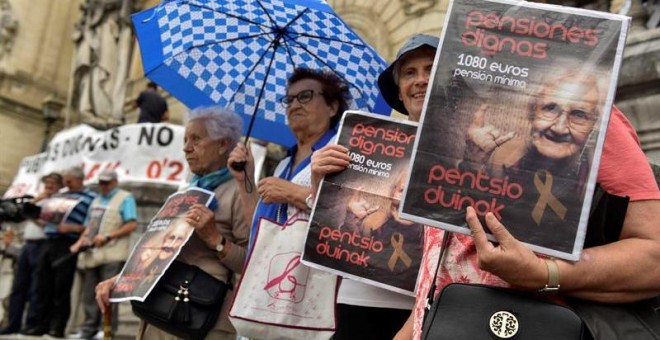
(278,297)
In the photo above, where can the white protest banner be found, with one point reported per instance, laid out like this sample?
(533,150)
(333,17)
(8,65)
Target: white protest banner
(140,153)
(26,181)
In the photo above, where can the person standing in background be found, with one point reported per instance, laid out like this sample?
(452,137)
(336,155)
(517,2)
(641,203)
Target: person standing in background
(24,286)
(111,219)
(54,287)
(152,106)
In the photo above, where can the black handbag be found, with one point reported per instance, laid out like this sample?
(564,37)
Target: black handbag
(185,302)
(474,312)
(471,311)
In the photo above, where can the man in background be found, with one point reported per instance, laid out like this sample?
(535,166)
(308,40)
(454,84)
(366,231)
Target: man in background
(111,219)
(152,106)
(56,277)
(24,285)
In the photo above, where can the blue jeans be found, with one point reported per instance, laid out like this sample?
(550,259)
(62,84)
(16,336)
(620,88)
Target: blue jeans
(24,287)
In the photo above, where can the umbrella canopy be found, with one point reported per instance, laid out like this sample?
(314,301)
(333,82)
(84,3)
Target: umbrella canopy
(239,54)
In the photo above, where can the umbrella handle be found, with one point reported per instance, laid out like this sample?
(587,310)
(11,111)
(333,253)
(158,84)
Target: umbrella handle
(240,166)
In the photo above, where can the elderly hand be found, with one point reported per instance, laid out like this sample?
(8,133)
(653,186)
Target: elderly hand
(99,241)
(359,206)
(82,242)
(276,190)
(203,220)
(327,160)
(482,139)
(8,237)
(241,154)
(510,260)
(103,290)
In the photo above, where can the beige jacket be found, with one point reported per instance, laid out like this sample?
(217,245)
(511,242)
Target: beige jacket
(231,224)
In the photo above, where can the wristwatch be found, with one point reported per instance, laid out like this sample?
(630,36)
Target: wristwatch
(309,202)
(221,246)
(552,287)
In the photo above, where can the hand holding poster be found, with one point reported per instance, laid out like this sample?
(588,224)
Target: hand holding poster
(355,229)
(515,120)
(161,243)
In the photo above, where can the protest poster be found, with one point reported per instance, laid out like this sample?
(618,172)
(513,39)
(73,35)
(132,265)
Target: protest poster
(515,120)
(355,230)
(56,209)
(95,217)
(160,244)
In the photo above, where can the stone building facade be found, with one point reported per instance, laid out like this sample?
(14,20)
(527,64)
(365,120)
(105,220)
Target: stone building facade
(82,56)
(71,51)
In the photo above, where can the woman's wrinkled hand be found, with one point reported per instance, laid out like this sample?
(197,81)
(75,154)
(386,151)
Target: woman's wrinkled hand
(103,290)
(327,160)
(359,206)
(275,190)
(509,259)
(241,153)
(203,220)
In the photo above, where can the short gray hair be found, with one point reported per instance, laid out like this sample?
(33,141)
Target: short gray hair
(220,123)
(75,171)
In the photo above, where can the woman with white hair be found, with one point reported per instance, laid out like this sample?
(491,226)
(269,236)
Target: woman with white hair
(218,244)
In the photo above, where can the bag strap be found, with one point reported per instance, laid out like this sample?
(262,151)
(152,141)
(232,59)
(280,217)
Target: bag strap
(431,294)
(299,212)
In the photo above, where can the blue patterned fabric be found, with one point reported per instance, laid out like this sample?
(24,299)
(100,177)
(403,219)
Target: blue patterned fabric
(239,54)
(210,182)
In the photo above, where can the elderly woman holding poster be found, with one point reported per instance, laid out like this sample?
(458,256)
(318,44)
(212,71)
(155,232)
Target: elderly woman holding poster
(367,311)
(218,244)
(604,274)
(314,102)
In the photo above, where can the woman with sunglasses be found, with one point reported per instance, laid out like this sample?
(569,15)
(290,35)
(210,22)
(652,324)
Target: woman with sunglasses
(314,102)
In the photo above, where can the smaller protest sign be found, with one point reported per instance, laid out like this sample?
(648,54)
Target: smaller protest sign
(56,209)
(94,221)
(161,243)
(355,230)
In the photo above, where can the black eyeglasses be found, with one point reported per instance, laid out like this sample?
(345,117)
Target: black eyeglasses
(104,183)
(304,97)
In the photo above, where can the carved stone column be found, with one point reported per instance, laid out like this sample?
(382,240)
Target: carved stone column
(8,30)
(103,46)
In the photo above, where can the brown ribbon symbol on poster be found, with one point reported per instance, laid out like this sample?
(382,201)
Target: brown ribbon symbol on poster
(399,253)
(546,198)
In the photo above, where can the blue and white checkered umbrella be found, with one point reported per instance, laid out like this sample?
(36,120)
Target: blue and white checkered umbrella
(239,53)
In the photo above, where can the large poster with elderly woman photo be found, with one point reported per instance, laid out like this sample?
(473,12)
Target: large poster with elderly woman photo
(515,120)
(160,244)
(355,229)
